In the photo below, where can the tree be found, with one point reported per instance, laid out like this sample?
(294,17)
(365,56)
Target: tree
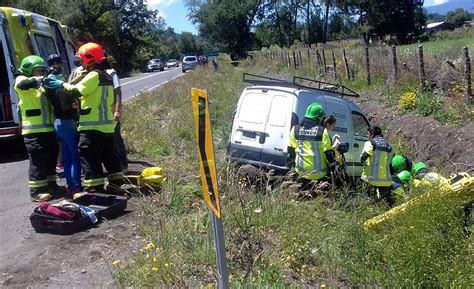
(458,17)
(226,23)
(187,43)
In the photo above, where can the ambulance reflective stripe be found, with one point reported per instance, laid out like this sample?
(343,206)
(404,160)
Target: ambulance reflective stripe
(37,184)
(94,182)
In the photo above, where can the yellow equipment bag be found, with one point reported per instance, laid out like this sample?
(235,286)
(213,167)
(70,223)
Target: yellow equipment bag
(460,188)
(152,176)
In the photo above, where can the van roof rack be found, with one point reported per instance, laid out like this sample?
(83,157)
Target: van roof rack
(301,82)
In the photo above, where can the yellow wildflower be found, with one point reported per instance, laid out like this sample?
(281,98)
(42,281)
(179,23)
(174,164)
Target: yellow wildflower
(154,259)
(407,100)
(154,269)
(116,262)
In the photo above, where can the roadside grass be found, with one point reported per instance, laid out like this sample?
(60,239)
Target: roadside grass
(271,239)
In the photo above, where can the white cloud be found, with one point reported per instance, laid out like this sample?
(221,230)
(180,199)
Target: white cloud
(161,3)
(437,2)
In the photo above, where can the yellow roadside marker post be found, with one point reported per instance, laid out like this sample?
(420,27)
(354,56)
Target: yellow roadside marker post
(202,125)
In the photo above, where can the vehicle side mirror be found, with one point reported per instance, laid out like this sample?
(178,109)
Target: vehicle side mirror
(343,147)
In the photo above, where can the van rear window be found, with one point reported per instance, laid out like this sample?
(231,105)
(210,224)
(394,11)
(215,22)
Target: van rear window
(45,45)
(254,108)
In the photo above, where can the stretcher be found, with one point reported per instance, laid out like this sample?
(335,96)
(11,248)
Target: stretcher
(460,187)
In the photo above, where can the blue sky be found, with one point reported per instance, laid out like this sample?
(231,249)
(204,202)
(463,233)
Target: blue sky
(175,12)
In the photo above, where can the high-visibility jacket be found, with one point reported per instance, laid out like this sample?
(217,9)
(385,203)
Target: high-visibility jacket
(376,168)
(36,112)
(97,98)
(430,179)
(310,145)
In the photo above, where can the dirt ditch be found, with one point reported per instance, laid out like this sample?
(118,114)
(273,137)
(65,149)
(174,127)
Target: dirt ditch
(449,147)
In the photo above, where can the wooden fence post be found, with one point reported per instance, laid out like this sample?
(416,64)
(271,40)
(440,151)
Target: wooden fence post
(467,75)
(300,62)
(346,65)
(318,58)
(324,62)
(334,73)
(367,64)
(309,56)
(421,63)
(395,63)
(289,59)
(294,60)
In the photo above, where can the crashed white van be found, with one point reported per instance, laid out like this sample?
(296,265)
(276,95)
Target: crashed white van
(268,109)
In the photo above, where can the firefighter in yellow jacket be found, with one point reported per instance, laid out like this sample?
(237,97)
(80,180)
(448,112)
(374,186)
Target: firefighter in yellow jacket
(37,129)
(312,144)
(96,121)
(376,160)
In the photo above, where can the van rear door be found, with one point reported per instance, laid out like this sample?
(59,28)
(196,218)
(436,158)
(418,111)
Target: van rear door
(248,130)
(278,125)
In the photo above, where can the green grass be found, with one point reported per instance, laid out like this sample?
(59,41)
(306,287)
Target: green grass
(272,240)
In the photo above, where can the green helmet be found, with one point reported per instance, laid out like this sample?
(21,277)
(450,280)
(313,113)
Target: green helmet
(314,111)
(29,63)
(418,167)
(404,176)
(398,162)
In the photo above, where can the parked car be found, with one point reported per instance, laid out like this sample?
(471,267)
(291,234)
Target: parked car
(23,33)
(189,62)
(269,108)
(172,63)
(155,64)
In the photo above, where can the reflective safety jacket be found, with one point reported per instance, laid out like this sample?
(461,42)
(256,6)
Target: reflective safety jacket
(310,145)
(36,112)
(376,167)
(97,98)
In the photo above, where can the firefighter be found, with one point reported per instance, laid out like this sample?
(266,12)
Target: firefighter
(96,122)
(37,129)
(400,163)
(375,158)
(312,144)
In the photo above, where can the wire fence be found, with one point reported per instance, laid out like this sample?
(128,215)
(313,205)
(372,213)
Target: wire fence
(441,70)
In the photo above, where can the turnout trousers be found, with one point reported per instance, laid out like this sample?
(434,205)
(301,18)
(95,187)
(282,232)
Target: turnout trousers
(42,152)
(97,148)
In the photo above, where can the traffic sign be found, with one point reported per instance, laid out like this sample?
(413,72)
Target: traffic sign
(212,53)
(202,125)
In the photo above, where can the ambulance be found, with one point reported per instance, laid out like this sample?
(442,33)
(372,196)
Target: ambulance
(24,33)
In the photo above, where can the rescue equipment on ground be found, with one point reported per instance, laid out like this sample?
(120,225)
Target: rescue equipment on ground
(152,176)
(460,187)
(68,217)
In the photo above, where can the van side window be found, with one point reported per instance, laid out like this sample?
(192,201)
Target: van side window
(46,45)
(359,124)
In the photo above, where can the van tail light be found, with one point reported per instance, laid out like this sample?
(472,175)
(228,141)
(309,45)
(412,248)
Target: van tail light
(8,107)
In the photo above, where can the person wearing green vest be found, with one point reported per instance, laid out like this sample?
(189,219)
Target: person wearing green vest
(37,129)
(97,145)
(312,144)
(375,158)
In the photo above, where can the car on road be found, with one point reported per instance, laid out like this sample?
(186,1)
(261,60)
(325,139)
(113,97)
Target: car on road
(155,64)
(24,33)
(172,63)
(189,63)
(269,108)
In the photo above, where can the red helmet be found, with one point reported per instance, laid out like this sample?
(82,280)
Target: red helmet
(91,53)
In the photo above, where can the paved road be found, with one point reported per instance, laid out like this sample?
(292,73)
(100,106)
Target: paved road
(131,86)
(41,260)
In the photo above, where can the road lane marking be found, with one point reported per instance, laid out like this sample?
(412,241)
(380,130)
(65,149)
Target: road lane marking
(153,87)
(142,78)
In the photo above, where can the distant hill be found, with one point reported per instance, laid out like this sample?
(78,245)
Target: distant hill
(452,5)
